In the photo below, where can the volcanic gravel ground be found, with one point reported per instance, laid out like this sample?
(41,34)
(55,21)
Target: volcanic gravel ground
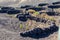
(9,30)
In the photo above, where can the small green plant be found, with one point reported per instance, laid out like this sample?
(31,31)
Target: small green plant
(36,13)
(21,26)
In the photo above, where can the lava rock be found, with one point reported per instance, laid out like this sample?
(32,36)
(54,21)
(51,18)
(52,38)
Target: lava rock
(24,19)
(13,11)
(40,33)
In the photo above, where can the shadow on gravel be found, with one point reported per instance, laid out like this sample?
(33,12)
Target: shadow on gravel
(40,33)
